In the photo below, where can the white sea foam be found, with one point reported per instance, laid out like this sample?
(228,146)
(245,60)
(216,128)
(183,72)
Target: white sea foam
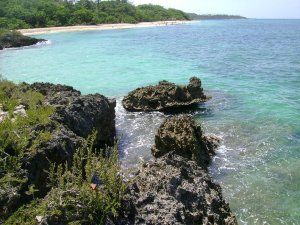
(136,131)
(41,43)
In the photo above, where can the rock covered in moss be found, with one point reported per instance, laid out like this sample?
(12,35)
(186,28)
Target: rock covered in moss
(165,96)
(14,39)
(81,113)
(183,136)
(174,190)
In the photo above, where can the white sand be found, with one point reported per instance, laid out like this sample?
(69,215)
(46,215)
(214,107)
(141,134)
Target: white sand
(37,31)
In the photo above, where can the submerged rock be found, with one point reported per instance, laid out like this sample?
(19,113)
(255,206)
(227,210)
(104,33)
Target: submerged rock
(81,113)
(14,39)
(183,136)
(165,96)
(174,190)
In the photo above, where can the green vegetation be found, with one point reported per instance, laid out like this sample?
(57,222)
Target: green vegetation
(71,199)
(150,13)
(21,110)
(195,16)
(24,123)
(18,14)
(15,129)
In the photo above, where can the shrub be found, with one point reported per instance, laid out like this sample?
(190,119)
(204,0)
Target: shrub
(15,130)
(71,199)
(44,13)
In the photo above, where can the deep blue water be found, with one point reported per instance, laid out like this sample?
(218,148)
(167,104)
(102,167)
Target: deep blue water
(251,68)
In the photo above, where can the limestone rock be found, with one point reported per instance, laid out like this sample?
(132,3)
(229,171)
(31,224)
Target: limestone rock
(175,191)
(165,96)
(184,136)
(81,113)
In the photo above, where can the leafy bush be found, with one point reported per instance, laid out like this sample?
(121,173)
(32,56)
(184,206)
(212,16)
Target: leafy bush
(15,130)
(19,14)
(71,199)
(151,13)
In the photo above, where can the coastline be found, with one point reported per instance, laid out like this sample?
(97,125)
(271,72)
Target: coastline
(49,30)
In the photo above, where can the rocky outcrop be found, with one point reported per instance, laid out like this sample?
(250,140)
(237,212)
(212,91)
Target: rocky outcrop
(81,113)
(175,191)
(183,136)
(13,39)
(59,149)
(165,96)
(75,117)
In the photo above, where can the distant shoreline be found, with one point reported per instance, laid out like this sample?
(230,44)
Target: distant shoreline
(49,30)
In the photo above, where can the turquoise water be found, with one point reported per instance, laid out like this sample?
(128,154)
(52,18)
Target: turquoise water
(251,68)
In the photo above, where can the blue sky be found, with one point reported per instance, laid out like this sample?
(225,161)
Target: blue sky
(249,8)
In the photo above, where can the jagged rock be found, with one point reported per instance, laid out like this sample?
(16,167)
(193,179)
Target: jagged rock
(14,39)
(184,136)
(165,96)
(81,113)
(75,117)
(59,149)
(175,191)
(211,142)
(3,115)
(20,111)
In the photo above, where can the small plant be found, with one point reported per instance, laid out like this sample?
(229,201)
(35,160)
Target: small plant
(31,191)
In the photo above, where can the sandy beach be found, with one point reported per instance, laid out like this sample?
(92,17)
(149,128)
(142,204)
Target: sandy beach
(37,31)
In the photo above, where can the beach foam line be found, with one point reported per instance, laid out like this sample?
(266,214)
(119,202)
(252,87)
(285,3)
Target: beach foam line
(47,30)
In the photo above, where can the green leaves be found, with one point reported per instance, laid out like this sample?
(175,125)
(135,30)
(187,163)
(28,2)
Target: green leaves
(71,199)
(20,14)
(15,130)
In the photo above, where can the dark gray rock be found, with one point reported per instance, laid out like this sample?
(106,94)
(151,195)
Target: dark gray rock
(81,113)
(175,191)
(211,143)
(14,39)
(183,136)
(59,149)
(165,96)
(76,117)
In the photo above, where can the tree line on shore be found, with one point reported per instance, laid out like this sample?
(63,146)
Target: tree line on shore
(195,16)
(22,14)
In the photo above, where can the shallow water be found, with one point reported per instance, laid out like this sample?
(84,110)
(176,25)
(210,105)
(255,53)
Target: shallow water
(251,68)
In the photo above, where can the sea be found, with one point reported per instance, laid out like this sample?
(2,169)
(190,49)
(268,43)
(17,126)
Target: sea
(250,68)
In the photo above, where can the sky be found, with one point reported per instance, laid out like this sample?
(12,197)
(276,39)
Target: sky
(281,9)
